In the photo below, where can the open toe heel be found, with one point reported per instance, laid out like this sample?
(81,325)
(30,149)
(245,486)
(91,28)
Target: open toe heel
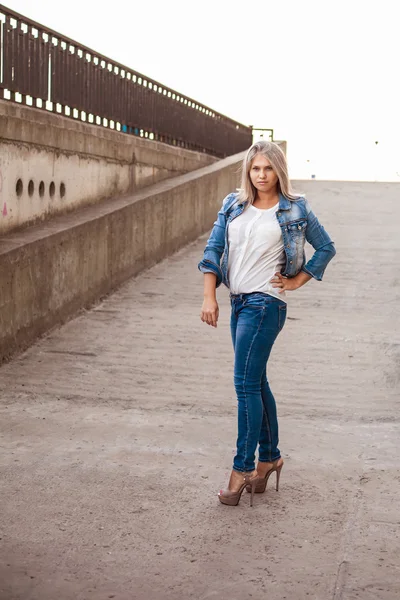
(240,481)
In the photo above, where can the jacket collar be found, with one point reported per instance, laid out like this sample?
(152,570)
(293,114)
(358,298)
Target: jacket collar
(284,203)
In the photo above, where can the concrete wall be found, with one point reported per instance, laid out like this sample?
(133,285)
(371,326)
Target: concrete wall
(50,164)
(51,270)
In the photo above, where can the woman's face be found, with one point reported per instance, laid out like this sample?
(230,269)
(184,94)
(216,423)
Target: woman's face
(262,175)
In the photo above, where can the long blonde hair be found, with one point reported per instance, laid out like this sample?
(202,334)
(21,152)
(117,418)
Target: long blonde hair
(277,158)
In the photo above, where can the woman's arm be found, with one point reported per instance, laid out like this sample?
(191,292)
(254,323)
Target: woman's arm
(210,310)
(315,267)
(322,244)
(210,264)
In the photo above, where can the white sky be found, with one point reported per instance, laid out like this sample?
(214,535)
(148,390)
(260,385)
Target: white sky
(324,75)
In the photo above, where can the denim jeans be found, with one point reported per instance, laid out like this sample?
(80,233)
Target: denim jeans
(256,321)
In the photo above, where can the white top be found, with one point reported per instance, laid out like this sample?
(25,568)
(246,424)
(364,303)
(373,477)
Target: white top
(256,251)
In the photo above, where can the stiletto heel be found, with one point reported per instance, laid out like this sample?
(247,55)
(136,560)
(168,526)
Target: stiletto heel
(261,484)
(240,481)
(278,474)
(253,487)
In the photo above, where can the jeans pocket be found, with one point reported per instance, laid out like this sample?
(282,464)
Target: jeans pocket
(282,311)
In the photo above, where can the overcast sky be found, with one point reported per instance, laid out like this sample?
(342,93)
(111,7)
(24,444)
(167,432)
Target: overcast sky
(324,75)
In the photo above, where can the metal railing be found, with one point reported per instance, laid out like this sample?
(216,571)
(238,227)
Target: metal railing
(44,69)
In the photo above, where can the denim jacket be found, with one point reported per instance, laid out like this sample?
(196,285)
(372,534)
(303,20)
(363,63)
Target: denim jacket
(298,223)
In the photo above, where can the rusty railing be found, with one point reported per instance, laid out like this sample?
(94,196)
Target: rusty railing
(44,69)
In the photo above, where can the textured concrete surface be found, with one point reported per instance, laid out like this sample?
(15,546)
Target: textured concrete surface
(118,430)
(50,271)
(92,163)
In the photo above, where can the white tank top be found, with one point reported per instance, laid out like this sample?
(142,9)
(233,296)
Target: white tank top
(256,252)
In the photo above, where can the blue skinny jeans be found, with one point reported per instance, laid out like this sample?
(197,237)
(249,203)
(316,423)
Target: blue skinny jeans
(256,321)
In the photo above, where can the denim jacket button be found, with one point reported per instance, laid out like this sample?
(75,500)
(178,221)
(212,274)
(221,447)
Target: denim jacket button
(288,246)
(279,214)
(291,262)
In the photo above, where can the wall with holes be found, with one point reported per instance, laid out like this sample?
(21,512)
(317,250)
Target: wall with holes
(47,273)
(50,164)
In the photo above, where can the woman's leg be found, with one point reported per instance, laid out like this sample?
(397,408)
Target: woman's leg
(269,435)
(256,330)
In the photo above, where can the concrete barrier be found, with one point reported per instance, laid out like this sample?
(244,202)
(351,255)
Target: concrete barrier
(51,270)
(50,164)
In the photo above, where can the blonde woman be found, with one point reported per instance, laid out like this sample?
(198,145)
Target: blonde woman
(260,234)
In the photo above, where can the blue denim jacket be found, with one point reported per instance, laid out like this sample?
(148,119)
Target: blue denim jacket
(298,223)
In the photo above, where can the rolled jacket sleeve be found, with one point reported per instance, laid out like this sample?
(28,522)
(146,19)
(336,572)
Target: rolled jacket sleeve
(322,244)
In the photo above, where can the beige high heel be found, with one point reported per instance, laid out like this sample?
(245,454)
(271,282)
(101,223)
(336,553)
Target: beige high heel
(239,480)
(263,479)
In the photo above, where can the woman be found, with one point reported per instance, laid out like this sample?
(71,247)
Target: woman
(260,232)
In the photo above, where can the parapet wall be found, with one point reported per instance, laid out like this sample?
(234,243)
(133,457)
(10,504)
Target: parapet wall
(51,165)
(51,270)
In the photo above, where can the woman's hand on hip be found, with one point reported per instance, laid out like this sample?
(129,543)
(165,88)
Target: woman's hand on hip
(210,311)
(284,284)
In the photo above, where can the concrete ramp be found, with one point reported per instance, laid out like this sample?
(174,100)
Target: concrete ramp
(118,430)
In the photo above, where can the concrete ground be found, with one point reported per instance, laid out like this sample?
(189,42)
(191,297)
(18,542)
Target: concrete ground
(118,430)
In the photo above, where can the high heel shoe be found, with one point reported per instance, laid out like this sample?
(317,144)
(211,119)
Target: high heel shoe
(263,479)
(240,481)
